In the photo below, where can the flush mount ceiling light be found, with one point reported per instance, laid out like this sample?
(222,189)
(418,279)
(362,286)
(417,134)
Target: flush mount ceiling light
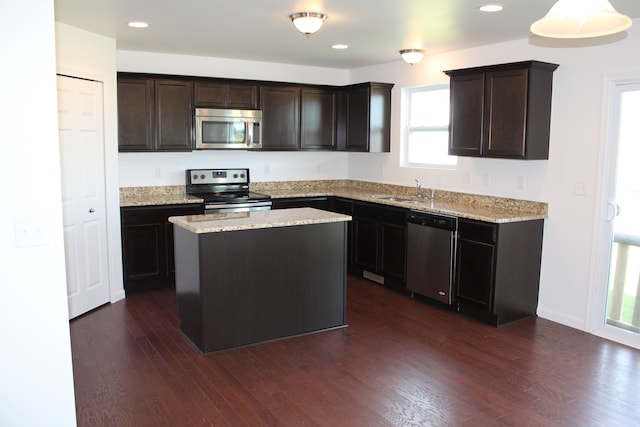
(308,22)
(577,19)
(491,7)
(137,24)
(412,56)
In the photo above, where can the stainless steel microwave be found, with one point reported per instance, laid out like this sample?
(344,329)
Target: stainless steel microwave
(219,129)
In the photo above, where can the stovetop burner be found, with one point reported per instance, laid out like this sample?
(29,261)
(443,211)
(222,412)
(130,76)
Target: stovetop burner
(219,187)
(232,197)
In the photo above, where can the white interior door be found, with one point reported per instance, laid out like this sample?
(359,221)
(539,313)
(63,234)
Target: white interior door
(617,314)
(81,134)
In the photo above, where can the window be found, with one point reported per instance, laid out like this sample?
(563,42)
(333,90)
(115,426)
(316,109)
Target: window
(427,127)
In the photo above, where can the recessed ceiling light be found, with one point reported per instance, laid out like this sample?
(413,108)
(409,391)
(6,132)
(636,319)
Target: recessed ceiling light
(137,24)
(493,7)
(340,46)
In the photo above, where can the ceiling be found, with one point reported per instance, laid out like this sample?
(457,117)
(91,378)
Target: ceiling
(260,30)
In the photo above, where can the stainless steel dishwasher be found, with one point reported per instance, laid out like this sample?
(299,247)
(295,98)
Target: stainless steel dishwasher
(431,255)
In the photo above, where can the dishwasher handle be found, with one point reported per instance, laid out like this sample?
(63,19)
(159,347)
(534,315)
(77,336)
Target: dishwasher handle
(425,219)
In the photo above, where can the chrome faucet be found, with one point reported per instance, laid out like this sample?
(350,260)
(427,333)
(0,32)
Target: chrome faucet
(420,191)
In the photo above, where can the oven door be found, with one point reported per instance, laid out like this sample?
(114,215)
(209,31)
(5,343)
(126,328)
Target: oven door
(237,207)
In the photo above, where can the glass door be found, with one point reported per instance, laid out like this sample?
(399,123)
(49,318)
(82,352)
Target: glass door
(623,296)
(619,318)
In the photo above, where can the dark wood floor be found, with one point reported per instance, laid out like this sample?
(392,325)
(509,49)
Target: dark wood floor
(400,362)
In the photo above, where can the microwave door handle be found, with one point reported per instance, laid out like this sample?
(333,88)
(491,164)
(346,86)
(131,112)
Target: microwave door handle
(248,135)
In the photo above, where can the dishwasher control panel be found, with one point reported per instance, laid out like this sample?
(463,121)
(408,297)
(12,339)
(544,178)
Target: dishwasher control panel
(427,219)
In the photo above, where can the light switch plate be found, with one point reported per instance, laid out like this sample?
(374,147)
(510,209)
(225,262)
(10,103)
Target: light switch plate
(31,231)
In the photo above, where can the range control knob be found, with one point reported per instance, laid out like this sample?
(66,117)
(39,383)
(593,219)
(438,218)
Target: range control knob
(235,175)
(202,176)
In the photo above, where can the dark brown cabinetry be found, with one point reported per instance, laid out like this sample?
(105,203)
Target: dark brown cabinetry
(380,242)
(318,119)
(147,245)
(498,270)
(225,95)
(321,202)
(365,117)
(280,107)
(501,110)
(154,114)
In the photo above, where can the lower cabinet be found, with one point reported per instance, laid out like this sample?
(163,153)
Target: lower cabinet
(380,243)
(498,270)
(301,202)
(147,245)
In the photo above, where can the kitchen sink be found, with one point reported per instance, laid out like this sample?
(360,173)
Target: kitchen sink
(401,199)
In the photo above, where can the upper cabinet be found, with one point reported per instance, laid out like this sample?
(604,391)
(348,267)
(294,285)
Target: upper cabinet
(280,107)
(297,117)
(217,94)
(154,114)
(318,118)
(365,118)
(501,111)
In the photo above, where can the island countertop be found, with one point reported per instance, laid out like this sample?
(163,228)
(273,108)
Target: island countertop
(236,221)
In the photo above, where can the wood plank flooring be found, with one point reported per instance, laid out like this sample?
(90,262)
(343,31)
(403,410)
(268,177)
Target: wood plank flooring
(400,362)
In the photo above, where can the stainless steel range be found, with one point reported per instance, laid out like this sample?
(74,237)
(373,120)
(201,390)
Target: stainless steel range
(225,190)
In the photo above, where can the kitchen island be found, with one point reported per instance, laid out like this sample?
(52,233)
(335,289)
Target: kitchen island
(245,278)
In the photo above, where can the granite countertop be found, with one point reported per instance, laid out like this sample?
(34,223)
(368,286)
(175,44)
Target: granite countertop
(236,221)
(156,196)
(462,205)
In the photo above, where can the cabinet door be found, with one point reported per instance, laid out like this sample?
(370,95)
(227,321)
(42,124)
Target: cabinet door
(147,245)
(393,250)
(280,117)
(210,95)
(475,273)
(365,237)
(506,105)
(318,119)
(358,119)
(135,114)
(143,250)
(466,115)
(225,95)
(242,96)
(173,112)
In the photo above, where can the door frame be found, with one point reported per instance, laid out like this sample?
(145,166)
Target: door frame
(605,203)
(112,186)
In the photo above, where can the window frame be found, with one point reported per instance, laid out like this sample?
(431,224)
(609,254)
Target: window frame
(408,130)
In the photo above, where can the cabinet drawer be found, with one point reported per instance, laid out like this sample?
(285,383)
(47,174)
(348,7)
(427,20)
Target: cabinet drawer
(478,231)
(139,215)
(380,213)
(342,206)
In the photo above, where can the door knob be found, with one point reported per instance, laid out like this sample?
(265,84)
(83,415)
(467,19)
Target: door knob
(92,210)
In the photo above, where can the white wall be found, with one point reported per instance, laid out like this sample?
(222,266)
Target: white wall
(567,281)
(91,56)
(36,379)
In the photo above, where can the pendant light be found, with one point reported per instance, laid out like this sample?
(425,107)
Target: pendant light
(576,19)
(412,56)
(308,22)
